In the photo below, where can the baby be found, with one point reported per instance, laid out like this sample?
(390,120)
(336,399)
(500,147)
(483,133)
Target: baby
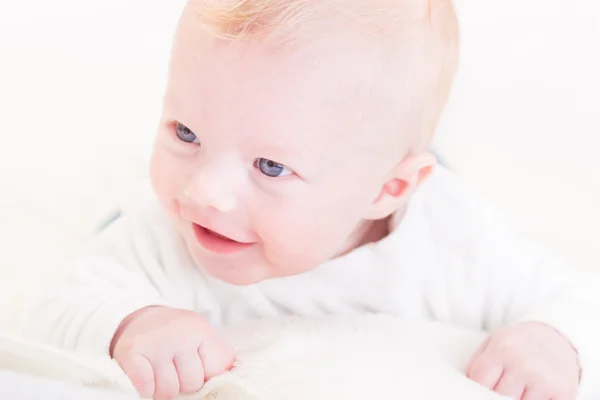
(291,176)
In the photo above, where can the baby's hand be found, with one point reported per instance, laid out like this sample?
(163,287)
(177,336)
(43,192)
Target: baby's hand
(166,352)
(528,361)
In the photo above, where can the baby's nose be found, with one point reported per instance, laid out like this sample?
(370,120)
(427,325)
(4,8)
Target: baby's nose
(212,189)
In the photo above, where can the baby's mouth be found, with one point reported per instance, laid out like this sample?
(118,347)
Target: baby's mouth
(216,242)
(219,236)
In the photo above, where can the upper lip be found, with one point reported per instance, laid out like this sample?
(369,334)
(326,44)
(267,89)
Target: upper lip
(197,219)
(220,233)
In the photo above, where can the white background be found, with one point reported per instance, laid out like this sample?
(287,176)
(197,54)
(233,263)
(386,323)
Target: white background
(80,88)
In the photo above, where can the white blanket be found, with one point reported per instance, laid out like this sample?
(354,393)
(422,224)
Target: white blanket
(286,359)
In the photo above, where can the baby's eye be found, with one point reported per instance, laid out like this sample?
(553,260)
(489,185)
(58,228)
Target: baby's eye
(185,134)
(271,168)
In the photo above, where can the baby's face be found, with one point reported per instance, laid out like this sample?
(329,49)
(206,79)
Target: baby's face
(267,160)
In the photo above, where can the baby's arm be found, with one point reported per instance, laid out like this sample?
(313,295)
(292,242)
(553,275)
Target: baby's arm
(541,317)
(128,296)
(110,280)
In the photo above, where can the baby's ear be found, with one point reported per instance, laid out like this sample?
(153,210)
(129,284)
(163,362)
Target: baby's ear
(404,179)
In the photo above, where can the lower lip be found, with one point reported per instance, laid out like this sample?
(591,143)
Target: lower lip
(217,244)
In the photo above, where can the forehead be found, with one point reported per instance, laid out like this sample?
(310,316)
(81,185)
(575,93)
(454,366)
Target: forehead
(309,94)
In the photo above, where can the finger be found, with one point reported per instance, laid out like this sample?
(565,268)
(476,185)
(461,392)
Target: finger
(190,371)
(509,385)
(532,393)
(486,372)
(217,356)
(478,353)
(139,370)
(166,380)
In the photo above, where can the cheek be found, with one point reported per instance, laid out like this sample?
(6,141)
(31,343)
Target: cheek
(167,174)
(302,235)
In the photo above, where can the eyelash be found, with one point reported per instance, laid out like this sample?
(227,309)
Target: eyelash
(261,163)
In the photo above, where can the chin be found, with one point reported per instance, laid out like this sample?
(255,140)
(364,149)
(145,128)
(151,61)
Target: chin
(238,272)
(237,278)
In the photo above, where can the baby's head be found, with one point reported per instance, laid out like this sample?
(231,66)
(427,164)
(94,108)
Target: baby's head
(295,128)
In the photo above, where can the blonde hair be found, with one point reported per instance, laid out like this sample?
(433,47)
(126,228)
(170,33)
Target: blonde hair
(430,24)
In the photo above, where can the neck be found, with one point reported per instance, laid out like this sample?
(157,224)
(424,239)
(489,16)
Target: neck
(367,232)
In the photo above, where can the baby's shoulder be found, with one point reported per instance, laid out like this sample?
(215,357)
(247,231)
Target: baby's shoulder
(139,201)
(445,196)
(139,219)
(455,214)
(139,206)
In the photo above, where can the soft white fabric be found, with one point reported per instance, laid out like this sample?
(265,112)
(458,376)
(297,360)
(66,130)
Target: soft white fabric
(350,358)
(30,370)
(449,259)
(18,386)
